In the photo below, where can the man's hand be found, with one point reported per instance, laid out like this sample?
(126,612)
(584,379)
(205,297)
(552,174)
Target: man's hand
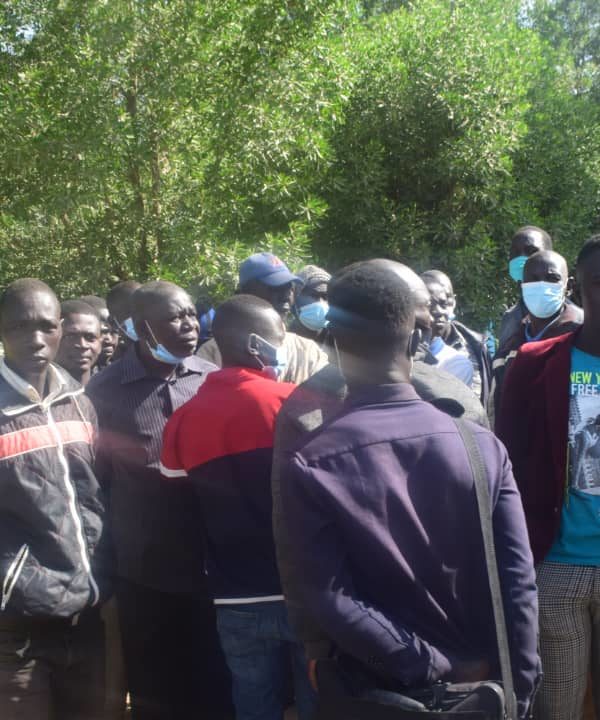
(464,671)
(312,675)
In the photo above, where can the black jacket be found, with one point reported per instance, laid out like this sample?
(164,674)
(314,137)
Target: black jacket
(51,509)
(478,354)
(311,405)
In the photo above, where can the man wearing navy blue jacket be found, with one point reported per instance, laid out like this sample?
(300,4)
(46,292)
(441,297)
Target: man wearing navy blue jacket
(382,514)
(221,442)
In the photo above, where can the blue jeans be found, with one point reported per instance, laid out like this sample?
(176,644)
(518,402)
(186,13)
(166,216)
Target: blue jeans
(257,641)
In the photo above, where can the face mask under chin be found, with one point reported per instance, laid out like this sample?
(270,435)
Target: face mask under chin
(159,351)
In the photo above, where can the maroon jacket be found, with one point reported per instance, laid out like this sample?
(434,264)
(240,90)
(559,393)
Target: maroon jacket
(533,424)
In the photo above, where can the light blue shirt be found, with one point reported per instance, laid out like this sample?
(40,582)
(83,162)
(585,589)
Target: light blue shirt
(451,361)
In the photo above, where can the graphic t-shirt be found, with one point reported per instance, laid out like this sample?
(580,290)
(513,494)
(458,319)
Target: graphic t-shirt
(578,541)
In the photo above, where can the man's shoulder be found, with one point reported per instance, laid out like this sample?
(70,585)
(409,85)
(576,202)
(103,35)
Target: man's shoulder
(209,352)
(257,391)
(263,391)
(8,394)
(198,364)
(446,392)
(354,428)
(571,314)
(428,430)
(468,333)
(325,387)
(303,344)
(110,376)
(534,360)
(515,311)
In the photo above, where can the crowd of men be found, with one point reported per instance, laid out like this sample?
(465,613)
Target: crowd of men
(203,507)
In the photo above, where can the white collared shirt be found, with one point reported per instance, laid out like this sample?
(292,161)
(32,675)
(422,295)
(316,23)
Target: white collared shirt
(56,384)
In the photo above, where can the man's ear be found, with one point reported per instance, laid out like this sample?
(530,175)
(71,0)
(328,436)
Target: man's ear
(141,328)
(573,290)
(251,346)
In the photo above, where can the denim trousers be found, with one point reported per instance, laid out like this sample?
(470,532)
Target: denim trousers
(258,642)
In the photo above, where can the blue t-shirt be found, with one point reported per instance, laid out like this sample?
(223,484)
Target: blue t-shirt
(578,541)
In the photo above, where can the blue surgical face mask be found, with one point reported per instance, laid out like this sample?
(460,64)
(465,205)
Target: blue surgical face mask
(314,315)
(159,352)
(273,360)
(129,329)
(516,267)
(543,299)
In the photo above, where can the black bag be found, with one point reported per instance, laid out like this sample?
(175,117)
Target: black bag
(452,701)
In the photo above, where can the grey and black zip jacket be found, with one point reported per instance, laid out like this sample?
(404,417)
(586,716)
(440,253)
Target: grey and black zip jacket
(51,508)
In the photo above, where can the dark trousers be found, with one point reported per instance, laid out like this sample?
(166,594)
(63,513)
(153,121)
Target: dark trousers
(52,668)
(173,660)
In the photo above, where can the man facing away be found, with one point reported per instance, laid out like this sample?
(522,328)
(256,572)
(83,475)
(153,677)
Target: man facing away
(81,342)
(52,571)
(267,277)
(549,422)
(222,441)
(173,663)
(382,515)
(320,398)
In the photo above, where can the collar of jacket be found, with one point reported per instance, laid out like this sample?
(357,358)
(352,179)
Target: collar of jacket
(377,394)
(134,370)
(461,334)
(60,387)
(570,314)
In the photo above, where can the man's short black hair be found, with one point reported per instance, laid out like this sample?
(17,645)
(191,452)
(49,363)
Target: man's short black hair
(437,276)
(98,303)
(240,312)
(528,229)
(118,298)
(203,303)
(22,287)
(372,299)
(151,294)
(590,246)
(235,320)
(77,307)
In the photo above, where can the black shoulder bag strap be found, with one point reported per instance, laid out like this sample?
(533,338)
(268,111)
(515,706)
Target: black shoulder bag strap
(485,517)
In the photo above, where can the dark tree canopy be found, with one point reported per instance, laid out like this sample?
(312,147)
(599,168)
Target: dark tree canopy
(171,139)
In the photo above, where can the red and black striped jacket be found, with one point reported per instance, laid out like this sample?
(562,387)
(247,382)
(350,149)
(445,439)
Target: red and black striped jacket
(51,509)
(222,440)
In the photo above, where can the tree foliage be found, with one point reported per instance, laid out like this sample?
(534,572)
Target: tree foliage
(146,138)
(119,121)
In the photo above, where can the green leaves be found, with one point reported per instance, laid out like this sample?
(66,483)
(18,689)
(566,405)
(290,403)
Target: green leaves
(153,138)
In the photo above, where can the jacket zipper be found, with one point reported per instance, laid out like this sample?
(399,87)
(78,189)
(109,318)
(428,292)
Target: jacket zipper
(73,506)
(12,575)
